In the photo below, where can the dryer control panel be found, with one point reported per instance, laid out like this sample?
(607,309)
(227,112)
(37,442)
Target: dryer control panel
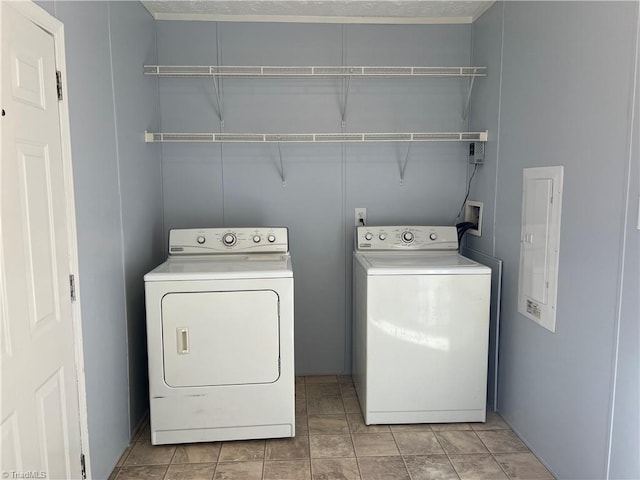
(406,238)
(216,241)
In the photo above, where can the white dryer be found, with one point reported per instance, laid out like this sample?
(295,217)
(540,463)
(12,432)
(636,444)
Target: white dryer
(421,326)
(220,337)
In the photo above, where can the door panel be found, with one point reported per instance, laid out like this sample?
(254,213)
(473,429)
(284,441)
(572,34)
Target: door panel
(52,424)
(37,205)
(220,338)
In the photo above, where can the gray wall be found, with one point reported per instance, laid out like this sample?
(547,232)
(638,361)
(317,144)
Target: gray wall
(235,185)
(118,207)
(560,93)
(625,440)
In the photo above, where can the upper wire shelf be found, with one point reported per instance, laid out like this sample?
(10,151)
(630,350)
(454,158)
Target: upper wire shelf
(151,137)
(310,71)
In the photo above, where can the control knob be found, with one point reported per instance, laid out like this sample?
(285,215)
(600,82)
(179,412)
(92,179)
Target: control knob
(407,237)
(229,239)
(433,236)
(256,239)
(368,236)
(271,238)
(201,239)
(382,236)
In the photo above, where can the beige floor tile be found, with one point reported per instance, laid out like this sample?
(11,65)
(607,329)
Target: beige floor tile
(300,391)
(374,444)
(142,472)
(502,441)
(239,471)
(146,454)
(145,435)
(417,443)
(197,453)
(351,404)
(302,427)
(323,390)
(325,406)
(523,466)
(242,451)
(383,468)
(493,422)
(191,471)
(314,379)
(477,467)
(287,470)
(430,467)
(463,441)
(287,448)
(347,389)
(445,427)
(357,425)
(328,424)
(413,427)
(299,381)
(331,446)
(334,469)
(301,406)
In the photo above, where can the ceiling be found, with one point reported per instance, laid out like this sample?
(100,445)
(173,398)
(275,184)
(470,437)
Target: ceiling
(320,11)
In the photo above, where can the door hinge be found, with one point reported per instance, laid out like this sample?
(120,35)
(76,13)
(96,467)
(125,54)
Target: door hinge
(72,286)
(83,467)
(59,84)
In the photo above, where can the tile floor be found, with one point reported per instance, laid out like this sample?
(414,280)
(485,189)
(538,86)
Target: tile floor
(332,443)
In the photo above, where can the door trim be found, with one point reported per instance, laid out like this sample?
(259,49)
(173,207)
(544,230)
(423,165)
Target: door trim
(55,28)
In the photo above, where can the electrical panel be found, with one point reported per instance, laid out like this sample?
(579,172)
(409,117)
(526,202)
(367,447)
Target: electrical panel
(540,244)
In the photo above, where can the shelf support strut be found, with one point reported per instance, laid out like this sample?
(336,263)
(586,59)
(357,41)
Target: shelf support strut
(282,177)
(465,113)
(344,103)
(216,89)
(403,168)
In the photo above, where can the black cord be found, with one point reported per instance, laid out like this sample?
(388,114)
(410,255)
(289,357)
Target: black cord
(462,229)
(468,190)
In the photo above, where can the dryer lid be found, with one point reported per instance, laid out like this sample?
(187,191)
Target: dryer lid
(413,263)
(223,267)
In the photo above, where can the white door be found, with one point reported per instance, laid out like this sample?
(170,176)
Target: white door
(39,413)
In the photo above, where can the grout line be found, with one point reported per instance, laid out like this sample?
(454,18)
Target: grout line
(446,453)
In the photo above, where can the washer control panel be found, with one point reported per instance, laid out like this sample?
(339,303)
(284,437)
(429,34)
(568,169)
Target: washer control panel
(406,238)
(215,241)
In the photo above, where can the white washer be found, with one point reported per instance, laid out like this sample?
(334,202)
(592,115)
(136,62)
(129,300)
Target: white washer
(421,325)
(220,337)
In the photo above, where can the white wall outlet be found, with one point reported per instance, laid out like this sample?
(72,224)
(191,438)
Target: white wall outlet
(361,216)
(473,214)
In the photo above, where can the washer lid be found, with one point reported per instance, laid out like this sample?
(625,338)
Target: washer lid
(209,267)
(413,263)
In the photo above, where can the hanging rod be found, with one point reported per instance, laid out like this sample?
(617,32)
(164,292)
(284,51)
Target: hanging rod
(151,137)
(310,71)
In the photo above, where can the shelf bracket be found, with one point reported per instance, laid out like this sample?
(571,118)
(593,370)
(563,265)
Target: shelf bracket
(465,113)
(403,167)
(282,177)
(216,89)
(344,103)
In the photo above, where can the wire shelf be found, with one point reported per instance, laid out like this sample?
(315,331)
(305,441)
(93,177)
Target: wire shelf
(151,137)
(310,71)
